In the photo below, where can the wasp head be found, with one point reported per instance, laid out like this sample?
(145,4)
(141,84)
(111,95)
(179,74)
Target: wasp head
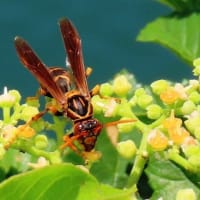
(88,131)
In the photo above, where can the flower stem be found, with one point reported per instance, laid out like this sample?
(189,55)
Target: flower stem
(26,146)
(141,158)
(59,128)
(180,161)
(6,114)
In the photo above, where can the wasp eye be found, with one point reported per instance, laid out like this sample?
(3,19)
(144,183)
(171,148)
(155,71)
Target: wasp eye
(80,127)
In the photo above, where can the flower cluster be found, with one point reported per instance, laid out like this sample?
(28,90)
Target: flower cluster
(16,131)
(167,114)
(12,114)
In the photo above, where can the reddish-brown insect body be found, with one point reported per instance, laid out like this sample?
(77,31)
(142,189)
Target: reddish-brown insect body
(58,83)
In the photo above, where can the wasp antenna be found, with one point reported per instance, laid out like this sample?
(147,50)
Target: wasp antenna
(119,122)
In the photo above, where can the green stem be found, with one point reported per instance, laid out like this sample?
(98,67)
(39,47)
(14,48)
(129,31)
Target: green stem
(16,113)
(139,163)
(180,161)
(140,159)
(59,128)
(27,146)
(159,121)
(6,114)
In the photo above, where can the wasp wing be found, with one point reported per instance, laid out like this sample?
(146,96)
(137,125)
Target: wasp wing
(73,49)
(31,61)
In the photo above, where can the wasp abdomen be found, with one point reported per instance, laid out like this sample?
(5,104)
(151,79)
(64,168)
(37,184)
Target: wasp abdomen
(62,79)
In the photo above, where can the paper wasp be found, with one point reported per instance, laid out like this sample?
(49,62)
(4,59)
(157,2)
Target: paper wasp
(56,82)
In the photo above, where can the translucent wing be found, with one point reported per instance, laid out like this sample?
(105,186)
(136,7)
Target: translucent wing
(38,69)
(73,49)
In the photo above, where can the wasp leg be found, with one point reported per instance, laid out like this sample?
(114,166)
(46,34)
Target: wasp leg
(87,156)
(88,71)
(68,142)
(39,93)
(95,91)
(36,117)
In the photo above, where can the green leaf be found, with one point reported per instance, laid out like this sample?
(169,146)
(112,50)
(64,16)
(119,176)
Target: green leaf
(183,6)
(104,169)
(63,181)
(166,179)
(111,168)
(14,162)
(180,34)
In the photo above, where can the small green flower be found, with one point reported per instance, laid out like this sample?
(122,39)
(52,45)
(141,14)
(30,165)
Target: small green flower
(15,94)
(159,86)
(139,92)
(195,160)
(133,101)
(192,86)
(144,100)
(111,108)
(154,111)
(193,121)
(124,109)
(7,99)
(28,112)
(197,133)
(196,69)
(196,62)
(188,107)
(127,149)
(106,106)
(121,86)
(98,104)
(41,141)
(194,97)
(190,150)
(106,89)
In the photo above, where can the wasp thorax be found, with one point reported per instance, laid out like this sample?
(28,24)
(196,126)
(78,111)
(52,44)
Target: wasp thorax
(79,107)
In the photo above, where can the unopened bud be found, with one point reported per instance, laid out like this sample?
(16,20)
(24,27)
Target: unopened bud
(154,111)
(28,112)
(127,149)
(188,107)
(159,86)
(106,89)
(41,141)
(144,100)
(121,85)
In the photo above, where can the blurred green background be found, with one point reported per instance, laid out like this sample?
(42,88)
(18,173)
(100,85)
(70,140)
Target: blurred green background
(108,30)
